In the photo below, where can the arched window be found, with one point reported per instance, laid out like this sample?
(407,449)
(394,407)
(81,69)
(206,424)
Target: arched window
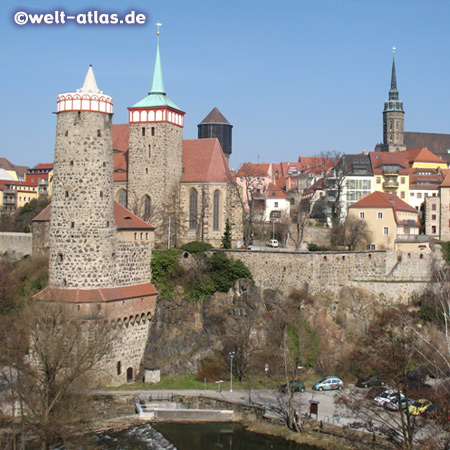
(193,206)
(122,199)
(216,211)
(147,207)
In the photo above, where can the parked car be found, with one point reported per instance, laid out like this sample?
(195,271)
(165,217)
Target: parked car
(272,243)
(296,386)
(328,383)
(375,392)
(394,404)
(372,381)
(387,396)
(419,406)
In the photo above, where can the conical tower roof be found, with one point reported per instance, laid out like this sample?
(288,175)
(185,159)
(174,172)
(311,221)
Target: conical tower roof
(90,84)
(215,116)
(157,95)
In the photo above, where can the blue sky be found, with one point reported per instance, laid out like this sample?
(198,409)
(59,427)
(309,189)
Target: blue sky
(294,77)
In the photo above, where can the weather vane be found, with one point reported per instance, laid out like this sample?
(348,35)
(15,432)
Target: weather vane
(393,50)
(158,24)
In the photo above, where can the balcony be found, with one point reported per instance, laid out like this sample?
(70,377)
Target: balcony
(43,182)
(9,201)
(390,184)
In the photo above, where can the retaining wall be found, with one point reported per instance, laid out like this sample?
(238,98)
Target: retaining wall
(16,245)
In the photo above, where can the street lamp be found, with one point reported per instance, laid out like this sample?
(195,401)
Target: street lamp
(231,370)
(266,369)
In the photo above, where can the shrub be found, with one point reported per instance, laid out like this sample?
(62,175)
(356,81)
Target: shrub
(196,247)
(165,264)
(212,369)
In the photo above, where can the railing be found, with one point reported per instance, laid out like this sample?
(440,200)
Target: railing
(9,201)
(390,184)
(412,238)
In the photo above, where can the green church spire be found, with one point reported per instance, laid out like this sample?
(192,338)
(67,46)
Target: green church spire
(157,83)
(157,96)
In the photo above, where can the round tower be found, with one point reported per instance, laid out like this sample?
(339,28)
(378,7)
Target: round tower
(155,155)
(82,209)
(214,125)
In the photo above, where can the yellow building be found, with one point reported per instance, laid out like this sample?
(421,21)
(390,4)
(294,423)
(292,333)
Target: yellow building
(394,224)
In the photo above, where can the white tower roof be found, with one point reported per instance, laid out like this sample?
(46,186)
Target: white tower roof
(87,98)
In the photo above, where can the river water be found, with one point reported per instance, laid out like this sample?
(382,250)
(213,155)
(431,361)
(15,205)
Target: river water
(185,436)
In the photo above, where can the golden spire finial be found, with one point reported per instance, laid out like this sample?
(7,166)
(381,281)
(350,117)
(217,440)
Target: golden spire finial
(158,24)
(393,49)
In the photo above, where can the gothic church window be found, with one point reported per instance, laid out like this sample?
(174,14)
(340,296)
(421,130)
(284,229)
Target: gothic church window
(193,206)
(216,210)
(122,200)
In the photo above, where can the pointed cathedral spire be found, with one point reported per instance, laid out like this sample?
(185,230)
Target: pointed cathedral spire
(157,83)
(393,92)
(90,85)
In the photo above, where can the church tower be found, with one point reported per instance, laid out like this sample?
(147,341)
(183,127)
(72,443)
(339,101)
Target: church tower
(393,119)
(82,211)
(155,152)
(214,125)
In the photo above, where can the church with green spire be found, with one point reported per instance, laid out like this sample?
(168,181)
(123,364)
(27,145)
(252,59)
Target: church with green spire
(183,187)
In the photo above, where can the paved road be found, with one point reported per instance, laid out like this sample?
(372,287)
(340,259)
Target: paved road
(271,399)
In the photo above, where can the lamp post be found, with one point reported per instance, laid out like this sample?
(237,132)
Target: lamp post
(273,228)
(231,370)
(266,369)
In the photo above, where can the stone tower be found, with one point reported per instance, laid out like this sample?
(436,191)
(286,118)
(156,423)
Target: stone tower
(155,153)
(393,120)
(214,125)
(82,219)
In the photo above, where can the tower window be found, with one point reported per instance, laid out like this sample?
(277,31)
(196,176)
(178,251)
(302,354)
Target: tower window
(99,133)
(143,131)
(153,131)
(71,163)
(66,194)
(79,114)
(60,256)
(67,133)
(101,194)
(149,150)
(72,224)
(146,170)
(107,224)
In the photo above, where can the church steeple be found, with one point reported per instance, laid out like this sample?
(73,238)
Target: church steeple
(393,92)
(393,118)
(157,83)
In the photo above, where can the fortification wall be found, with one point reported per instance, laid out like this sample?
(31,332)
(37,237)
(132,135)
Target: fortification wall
(133,262)
(16,245)
(382,272)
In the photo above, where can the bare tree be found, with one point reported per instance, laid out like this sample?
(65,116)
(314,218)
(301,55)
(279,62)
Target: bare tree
(299,222)
(48,361)
(356,233)
(174,219)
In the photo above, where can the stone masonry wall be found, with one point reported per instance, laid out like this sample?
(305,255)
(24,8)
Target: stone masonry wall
(155,167)
(133,262)
(16,245)
(82,219)
(330,271)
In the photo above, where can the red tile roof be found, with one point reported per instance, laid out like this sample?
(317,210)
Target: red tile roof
(121,136)
(43,166)
(52,294)
(123,219)
(254,170)
(423,155)
(204,161)
(446,182)
(378,159)
(274,191)
(215,116)
(383,200)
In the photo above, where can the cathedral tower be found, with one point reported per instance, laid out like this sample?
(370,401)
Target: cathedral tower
(214,125)
(155,152)
(393,120)
(82,212)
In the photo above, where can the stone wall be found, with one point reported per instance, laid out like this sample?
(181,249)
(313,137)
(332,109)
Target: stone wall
(16,245)
(155,165)
(133,262)
(330,271)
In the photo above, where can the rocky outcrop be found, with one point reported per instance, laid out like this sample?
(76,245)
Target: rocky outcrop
(182,334)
